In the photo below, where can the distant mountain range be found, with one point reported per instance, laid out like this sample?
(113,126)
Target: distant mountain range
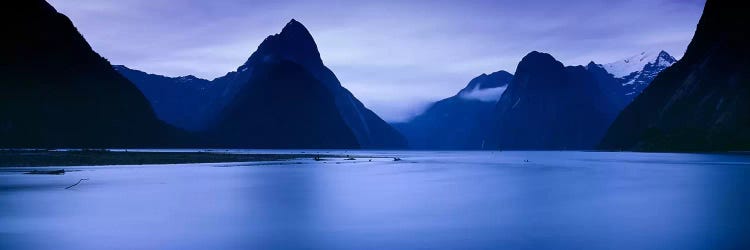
(180,101)
(55,91)
(702,102)
(550,106)
(637,72)
(451,122)
(287,72)
(476,118)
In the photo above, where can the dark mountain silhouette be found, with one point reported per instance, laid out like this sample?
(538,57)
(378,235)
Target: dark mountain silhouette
(295,44)
(180,101)
(702,102)
(451,122)
(282,106)
(55,91)
(550,106)
(616,94)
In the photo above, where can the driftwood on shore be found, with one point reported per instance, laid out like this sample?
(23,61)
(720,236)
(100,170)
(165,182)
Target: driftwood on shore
(53,172)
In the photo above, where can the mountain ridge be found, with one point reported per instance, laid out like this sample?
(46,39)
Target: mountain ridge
(56,91)
(700,102)
(295,44)
(450,122)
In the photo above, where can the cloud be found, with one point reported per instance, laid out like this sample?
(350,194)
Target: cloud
(484,95)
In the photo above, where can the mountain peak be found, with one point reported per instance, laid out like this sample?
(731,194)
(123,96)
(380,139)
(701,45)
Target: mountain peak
(538,61)
(635,63)
(592,64)
(295,27)
(294,43)
(665,57)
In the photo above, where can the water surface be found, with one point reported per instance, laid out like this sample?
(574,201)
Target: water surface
(429,200)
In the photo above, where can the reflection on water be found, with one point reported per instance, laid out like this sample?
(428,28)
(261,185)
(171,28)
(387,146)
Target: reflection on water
(433,200)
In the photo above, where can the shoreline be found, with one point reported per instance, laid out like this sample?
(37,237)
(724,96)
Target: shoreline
(47,158)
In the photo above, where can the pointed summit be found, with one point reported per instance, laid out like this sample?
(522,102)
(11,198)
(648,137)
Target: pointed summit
(293,25)
(665,59)
(293,43)
(295,29)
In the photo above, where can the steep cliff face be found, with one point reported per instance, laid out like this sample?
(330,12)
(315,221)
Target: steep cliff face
(197,105)
(702,102)
(296,44)
(55,91)
(282,106)
(550,106)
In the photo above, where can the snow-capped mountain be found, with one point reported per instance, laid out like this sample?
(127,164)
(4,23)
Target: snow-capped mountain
(700,103)
(637,72)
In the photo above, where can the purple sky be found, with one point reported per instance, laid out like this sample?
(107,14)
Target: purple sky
(395,56)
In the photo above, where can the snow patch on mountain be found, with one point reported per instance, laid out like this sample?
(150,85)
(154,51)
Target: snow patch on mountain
(627,66)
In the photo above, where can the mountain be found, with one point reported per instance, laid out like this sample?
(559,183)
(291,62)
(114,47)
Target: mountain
(180,101)
(612,88)
(550,106)
(282,106)
(702,102)
(450,123)
(463,121)
(637,72)
(55,91)
(211,105)
(296,44)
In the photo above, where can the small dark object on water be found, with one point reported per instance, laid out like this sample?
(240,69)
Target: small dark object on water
(396,159)
(317,158)
(79,182)
(370,160)
(525,160)
(55,172)
(350,159)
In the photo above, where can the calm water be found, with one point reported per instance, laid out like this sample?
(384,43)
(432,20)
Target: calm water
(430,200)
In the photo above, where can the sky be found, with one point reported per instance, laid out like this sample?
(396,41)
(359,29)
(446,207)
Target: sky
(395,56)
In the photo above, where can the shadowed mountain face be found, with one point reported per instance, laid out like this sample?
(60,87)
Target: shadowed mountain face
(700,103)
(55,91)
(550,106)
(206,103)
(282,106)
(295,44)
(465,121)
(180,101)
(452,122)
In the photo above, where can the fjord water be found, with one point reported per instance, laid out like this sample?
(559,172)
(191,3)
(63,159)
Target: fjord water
(429,200)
